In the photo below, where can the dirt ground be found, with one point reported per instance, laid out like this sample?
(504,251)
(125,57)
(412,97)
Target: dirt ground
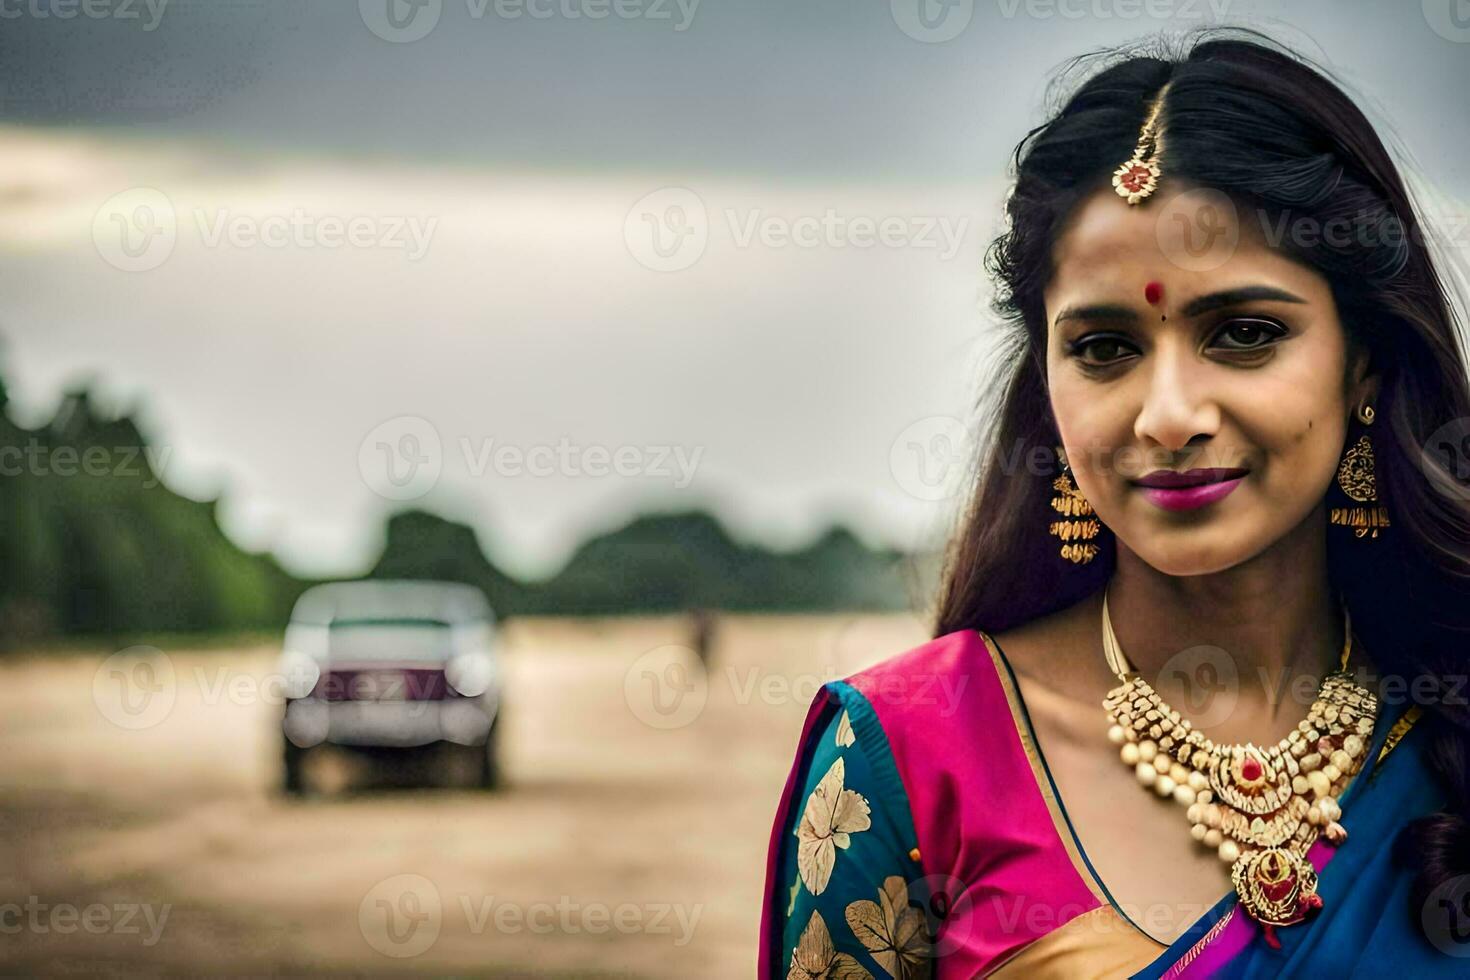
(141,829)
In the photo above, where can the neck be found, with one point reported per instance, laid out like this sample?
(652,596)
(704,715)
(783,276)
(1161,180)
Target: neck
(1273,619)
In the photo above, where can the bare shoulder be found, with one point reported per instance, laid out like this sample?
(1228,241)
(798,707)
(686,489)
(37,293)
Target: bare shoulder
(1058,649)
(1060,672)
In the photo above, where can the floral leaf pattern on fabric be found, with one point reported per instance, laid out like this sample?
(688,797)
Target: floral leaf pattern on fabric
(845,736)
(815,958)
(833,813)
(846,832)
(895,932)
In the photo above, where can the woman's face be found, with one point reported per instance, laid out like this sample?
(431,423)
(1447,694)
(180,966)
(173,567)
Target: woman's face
(1156,364)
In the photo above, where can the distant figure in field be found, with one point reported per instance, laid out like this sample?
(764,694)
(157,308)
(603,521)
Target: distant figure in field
(704,630)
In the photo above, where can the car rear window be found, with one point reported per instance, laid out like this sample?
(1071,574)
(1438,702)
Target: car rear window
(396,640)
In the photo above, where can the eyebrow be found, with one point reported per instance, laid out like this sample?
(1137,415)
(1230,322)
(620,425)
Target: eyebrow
(1195,307)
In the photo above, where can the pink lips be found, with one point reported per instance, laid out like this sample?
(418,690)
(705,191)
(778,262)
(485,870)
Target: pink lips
(1190,489)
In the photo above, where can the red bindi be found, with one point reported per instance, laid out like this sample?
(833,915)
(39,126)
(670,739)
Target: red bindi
(1153,292)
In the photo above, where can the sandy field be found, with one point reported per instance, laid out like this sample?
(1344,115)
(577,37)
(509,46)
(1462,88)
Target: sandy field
(142,830)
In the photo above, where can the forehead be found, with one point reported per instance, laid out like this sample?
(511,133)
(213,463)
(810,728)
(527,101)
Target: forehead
(1192,241)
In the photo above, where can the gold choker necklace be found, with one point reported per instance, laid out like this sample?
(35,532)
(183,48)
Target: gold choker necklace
(1259,808)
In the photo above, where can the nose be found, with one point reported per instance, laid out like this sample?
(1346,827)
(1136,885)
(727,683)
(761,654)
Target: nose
(1178,406)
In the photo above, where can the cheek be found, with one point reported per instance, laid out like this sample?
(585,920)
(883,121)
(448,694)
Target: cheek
(1300,440)
(1294,400)
(1090,428)
(1082,416)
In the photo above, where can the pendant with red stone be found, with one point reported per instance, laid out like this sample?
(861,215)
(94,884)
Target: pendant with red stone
(1276,888)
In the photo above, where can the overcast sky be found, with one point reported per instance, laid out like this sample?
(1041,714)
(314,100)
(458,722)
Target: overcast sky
(540,269)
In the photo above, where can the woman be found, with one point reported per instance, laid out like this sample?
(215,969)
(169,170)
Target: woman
(1244,539)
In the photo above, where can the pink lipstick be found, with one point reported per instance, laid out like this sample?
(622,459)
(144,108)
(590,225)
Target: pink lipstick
(1189,489)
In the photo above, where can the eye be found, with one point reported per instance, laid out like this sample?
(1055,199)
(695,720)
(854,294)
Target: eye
(1098,350)
(1247,333)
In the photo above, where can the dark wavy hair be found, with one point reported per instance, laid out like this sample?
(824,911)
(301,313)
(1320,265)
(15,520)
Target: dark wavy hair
(1250,119)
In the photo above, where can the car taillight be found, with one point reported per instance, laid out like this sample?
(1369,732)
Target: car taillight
(470,674)
(299,674)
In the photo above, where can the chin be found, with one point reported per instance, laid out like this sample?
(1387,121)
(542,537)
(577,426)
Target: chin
(1204,555)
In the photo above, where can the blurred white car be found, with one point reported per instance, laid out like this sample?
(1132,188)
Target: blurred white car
(389,666)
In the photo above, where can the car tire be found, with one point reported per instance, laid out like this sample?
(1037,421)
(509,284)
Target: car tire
(489,774)
(292,764)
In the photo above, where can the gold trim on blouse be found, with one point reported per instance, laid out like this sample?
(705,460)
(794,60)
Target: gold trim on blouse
(1099,943)
(1043,783)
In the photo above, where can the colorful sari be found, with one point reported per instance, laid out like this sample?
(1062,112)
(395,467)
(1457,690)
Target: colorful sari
(920,834)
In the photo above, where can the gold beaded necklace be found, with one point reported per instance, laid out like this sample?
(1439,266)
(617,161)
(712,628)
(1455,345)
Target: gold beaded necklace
(1259,808)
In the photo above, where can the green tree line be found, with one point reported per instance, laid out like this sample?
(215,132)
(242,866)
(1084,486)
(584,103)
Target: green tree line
(92,541)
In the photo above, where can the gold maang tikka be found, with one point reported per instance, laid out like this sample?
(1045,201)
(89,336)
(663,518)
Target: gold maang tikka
(1079,526)
(1138,178)
(1356,477)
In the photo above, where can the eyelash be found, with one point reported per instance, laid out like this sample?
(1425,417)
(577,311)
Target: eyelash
(1273,332)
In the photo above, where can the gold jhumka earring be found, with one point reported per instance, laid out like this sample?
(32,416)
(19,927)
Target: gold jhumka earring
(1355,475)
(1079,526)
